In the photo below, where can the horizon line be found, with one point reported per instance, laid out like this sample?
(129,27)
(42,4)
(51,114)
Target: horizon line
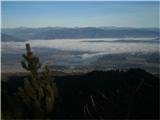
(77,27)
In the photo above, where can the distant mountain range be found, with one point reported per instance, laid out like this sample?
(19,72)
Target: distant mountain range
(9,38)
(77,33)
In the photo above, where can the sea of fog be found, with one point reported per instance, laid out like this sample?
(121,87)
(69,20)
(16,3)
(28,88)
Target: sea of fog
(104,53)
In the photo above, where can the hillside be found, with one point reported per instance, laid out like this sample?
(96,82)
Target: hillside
(113,94)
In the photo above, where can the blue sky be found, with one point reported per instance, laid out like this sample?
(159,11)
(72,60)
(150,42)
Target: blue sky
(79,14)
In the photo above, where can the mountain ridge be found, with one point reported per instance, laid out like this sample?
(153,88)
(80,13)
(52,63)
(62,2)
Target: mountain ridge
(80,32)
(10,38)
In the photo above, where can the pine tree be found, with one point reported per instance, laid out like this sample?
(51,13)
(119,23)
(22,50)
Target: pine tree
(39,92)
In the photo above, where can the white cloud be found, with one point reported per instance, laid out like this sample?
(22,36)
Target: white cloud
(77,45)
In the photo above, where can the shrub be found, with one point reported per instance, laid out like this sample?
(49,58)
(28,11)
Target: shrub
(39,92)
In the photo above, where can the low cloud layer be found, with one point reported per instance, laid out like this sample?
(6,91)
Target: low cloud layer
(78,45)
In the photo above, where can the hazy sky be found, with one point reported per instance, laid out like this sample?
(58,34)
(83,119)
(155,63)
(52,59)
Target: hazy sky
(80,14)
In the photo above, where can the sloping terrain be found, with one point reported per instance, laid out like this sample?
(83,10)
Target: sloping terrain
(113,94)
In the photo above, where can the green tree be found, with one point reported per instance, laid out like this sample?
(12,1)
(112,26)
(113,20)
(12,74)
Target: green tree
(39,92)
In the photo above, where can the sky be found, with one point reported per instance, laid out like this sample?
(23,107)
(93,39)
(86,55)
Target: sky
(79,14)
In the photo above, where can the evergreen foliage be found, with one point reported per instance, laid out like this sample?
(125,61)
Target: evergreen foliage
(39,92)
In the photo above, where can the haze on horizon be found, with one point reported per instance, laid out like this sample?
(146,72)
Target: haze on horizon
(79,14)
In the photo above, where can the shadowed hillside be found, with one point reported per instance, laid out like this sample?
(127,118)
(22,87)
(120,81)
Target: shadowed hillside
(113,94)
